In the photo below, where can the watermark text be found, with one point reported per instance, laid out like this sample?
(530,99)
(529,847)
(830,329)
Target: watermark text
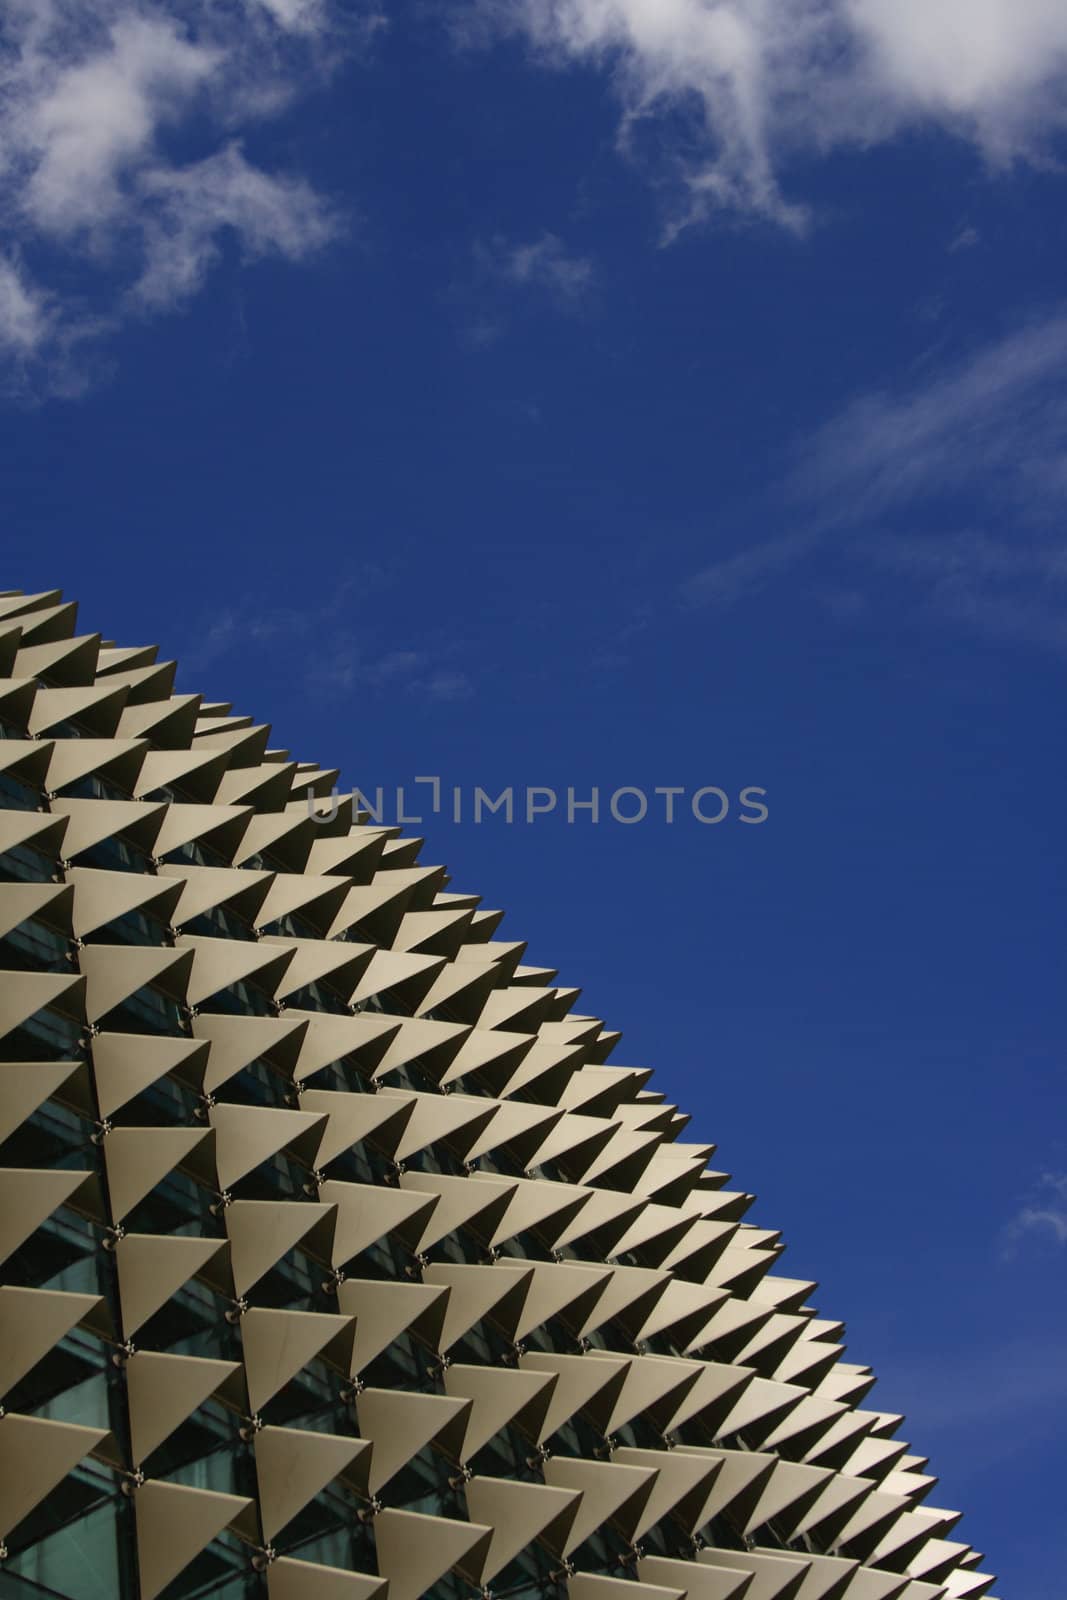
(527,803)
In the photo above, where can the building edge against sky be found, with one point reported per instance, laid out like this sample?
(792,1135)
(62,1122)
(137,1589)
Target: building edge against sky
(340,1261)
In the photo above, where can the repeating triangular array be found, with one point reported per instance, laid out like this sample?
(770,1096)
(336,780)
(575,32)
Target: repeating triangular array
(338,1262)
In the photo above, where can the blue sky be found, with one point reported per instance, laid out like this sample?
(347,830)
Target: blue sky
(630,392)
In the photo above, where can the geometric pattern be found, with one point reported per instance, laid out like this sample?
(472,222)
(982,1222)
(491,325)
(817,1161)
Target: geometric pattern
(338,1260)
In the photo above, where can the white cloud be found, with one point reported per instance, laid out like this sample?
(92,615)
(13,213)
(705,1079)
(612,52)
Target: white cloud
(1022,1382)
(445,685)
(300,16)
(966,239)
(94,97)
(1045,1214)
(269,215)
(992,63)
(86,124)
(1046,1219)
(545,264)
(394,666)
(1001,414)
(991,430)
(758,81)
(733,577)
(511,273)
(350,662)
(349,667)
(24,315)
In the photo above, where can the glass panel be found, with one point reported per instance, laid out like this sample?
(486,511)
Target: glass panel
(80,1560)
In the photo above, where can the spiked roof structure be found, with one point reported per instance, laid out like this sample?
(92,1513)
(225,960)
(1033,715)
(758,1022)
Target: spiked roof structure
(339,1262)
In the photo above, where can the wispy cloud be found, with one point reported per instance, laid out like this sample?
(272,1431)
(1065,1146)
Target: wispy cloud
(351,667)
(507,276)
(93,100)
(545,265)
(984,1406)
(1044,1214)
(1000,414)
(444,684)
(967,238)
(331,646)
(194,208)
(258,622)
(988,435)
(729,91)
(25,315)
(734,577)
(237,628)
